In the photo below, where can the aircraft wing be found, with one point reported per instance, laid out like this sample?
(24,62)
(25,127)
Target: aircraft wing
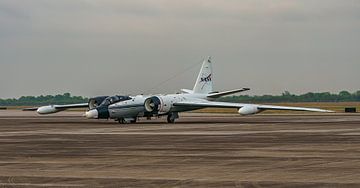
(209,104)
(30,109)
(66,106)
(271,107)
(60,107)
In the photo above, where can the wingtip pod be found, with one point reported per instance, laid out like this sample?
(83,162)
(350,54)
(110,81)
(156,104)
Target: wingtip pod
(42,109)
(47,110)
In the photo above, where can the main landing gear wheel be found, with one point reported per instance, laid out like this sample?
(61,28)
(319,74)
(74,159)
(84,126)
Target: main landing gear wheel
(121,121)
(172,117)
(125,121)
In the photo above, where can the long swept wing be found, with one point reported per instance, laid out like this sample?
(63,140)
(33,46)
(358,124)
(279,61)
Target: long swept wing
(30,109)
(67,106)
(61,107)
(207,104)
(271,107)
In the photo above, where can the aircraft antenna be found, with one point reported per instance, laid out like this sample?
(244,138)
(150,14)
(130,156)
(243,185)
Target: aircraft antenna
(174,76)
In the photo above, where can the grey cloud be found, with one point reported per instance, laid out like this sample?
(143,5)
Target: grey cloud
(91,47)
(11,12)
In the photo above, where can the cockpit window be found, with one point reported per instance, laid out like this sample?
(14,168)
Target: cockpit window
(114,99)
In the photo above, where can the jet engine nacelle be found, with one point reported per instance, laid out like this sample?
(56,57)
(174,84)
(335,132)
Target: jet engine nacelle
(249,110)
(158,104)
(48,110)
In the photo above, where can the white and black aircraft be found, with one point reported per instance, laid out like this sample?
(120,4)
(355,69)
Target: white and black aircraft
(130,108)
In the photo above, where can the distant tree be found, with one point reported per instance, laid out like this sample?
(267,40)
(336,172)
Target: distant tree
(65,98)
(357,95)
(288,97)
(345,96)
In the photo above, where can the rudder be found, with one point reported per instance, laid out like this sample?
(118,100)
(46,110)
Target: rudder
(204,83)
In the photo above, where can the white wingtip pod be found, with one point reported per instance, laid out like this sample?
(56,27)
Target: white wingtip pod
(249,110)
(47,110)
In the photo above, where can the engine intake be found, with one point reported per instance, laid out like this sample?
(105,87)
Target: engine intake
(152,105)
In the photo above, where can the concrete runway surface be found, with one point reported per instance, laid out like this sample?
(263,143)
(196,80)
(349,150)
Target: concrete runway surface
(200,150)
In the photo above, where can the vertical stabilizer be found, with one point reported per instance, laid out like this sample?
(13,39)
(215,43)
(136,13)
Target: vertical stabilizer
(204,83)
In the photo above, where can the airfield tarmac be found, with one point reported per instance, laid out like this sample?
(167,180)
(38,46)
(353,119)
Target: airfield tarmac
(200,150)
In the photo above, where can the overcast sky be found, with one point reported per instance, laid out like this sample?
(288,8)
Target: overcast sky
(105,47)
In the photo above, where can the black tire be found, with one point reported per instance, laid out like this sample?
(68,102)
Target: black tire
(121,121)
(170,119)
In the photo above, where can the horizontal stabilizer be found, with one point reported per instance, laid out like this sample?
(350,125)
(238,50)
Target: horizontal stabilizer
(223,93)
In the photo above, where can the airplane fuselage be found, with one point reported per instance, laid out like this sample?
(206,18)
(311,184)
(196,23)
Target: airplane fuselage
(135,107)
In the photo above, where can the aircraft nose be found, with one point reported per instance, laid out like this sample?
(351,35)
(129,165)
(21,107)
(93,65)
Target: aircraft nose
(92,114)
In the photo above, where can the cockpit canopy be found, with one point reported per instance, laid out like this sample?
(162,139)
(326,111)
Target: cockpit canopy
(114,99)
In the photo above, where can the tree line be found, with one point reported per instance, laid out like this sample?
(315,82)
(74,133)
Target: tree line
(343,96)
(41,100)
(66,98)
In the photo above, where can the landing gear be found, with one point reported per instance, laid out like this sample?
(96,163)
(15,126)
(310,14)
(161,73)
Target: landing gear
(172,117)
(121,121)
(127,120)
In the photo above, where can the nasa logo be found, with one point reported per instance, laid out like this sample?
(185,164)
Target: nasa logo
(206,79)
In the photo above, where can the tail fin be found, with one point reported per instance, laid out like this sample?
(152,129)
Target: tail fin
(204,83)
